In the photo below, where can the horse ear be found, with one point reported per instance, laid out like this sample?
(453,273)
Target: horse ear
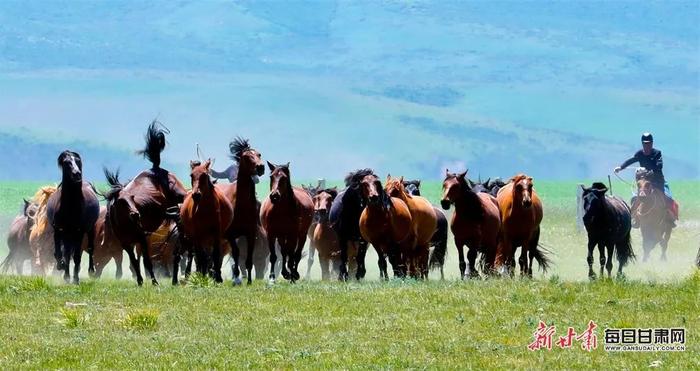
(401,180)
(462,175)
(271,166)
(193,164)
(208,163)
(388,178)
(583,187)
(287,166)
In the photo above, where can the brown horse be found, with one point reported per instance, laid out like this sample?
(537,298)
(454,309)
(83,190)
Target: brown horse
(107,247)
(286,216)
(386,223)
(41,235)
(652,214)
(241,195)
(521,215)
(140,207)
(18,239)
(72,211)
(206,215)
(323,236)
(424,224)
(475,223)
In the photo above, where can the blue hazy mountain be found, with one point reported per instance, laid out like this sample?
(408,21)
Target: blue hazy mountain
(559,90)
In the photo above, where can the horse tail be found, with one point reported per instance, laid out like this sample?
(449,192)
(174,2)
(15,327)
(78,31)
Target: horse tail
(541,254)
(5,265)
(155,143)
(624,250)
(114,184)
(437,257)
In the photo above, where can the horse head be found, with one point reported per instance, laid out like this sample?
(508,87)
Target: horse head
(201,182)
(522,190)
(372,191)
(72,167)
(322,203)
(395,187)
(249,160)
(280,182)
(593,201)
(412,187)
(452,187)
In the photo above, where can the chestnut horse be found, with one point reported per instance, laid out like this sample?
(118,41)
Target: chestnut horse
(323,237)
(521,215)
(386,223)
(41,235)
(424,225)
(107,247)
(206,215)
(475,223)
(18,239)
(286,216)
(140,207)
(652,214)
(72,211)
(241,195)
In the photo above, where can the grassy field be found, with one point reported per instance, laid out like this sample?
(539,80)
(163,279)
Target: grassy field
(452,324)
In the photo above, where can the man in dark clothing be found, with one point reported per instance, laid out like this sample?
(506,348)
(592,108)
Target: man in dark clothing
(649,158)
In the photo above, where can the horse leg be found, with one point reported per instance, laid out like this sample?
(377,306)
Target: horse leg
(58,252)
(217,259)
(472,253)
(462,263)
(647,246)
(664,244)
(383,274)
(523,260)
(310,260)
(273,256)
(297,257)
(360,260)
(591,246)
(118,258)
(91,252)
(344,259)
(609,264)
(177,256)
(601,252)
(325,267)
(250,241)
(235,254)
(77,256)
(147,263)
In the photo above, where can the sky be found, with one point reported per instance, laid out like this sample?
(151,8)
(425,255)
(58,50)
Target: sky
(559,90)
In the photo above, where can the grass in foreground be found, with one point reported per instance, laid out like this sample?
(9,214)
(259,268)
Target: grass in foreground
(476,324)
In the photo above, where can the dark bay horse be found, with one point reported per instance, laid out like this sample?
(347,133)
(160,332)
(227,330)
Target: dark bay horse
(438,243)
(521,215)
(72,212)
(140,207)
(206,215)
(476,223)
(386,223)
(424,225)
(608,222)
(18,239)
(286,215)
(652,214)
(345,218)
(241,195)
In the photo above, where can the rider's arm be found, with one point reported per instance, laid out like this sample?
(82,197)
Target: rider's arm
(659,162)
(629,161)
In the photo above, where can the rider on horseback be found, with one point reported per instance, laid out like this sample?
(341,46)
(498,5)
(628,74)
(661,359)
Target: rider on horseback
(650,159)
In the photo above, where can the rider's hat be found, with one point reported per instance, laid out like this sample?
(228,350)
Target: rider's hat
(647,138)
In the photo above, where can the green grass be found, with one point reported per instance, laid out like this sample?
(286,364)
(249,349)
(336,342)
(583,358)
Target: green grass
(313,325)
(452,324)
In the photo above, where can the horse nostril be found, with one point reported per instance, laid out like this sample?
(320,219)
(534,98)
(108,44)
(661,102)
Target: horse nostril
(260,169)
(445,204)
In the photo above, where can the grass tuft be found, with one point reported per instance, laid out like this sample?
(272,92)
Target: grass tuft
(142,320)
(72,318)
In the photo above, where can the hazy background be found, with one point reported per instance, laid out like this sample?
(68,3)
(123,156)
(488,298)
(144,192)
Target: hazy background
(561,91)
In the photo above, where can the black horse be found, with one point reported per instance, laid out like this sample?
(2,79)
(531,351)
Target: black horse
(608,222)
(72,211)
(345,219)
(438,253)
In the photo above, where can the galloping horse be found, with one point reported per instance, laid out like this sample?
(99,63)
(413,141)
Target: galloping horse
(521,215)
(72,212)
(286,216)
(345,217)
(476,222)
(652,214)
(323,237)
(241,195)
(18,239)
(140,207)
(608,222)
(107,247)
(41,236)
(386,223)
(424,224)
(206,215)
(439,240)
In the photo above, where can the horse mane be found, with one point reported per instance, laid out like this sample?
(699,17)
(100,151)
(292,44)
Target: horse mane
(354,178)
(237,146)
(41,199)
(475,208)
(114,184)
(331,191)
(155,142)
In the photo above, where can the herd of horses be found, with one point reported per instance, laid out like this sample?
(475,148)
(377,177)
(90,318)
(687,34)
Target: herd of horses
(155,218)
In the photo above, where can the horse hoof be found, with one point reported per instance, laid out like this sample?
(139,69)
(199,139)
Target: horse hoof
(237,281)
(271,281)
(286,275)
(295,276)
(155,283)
